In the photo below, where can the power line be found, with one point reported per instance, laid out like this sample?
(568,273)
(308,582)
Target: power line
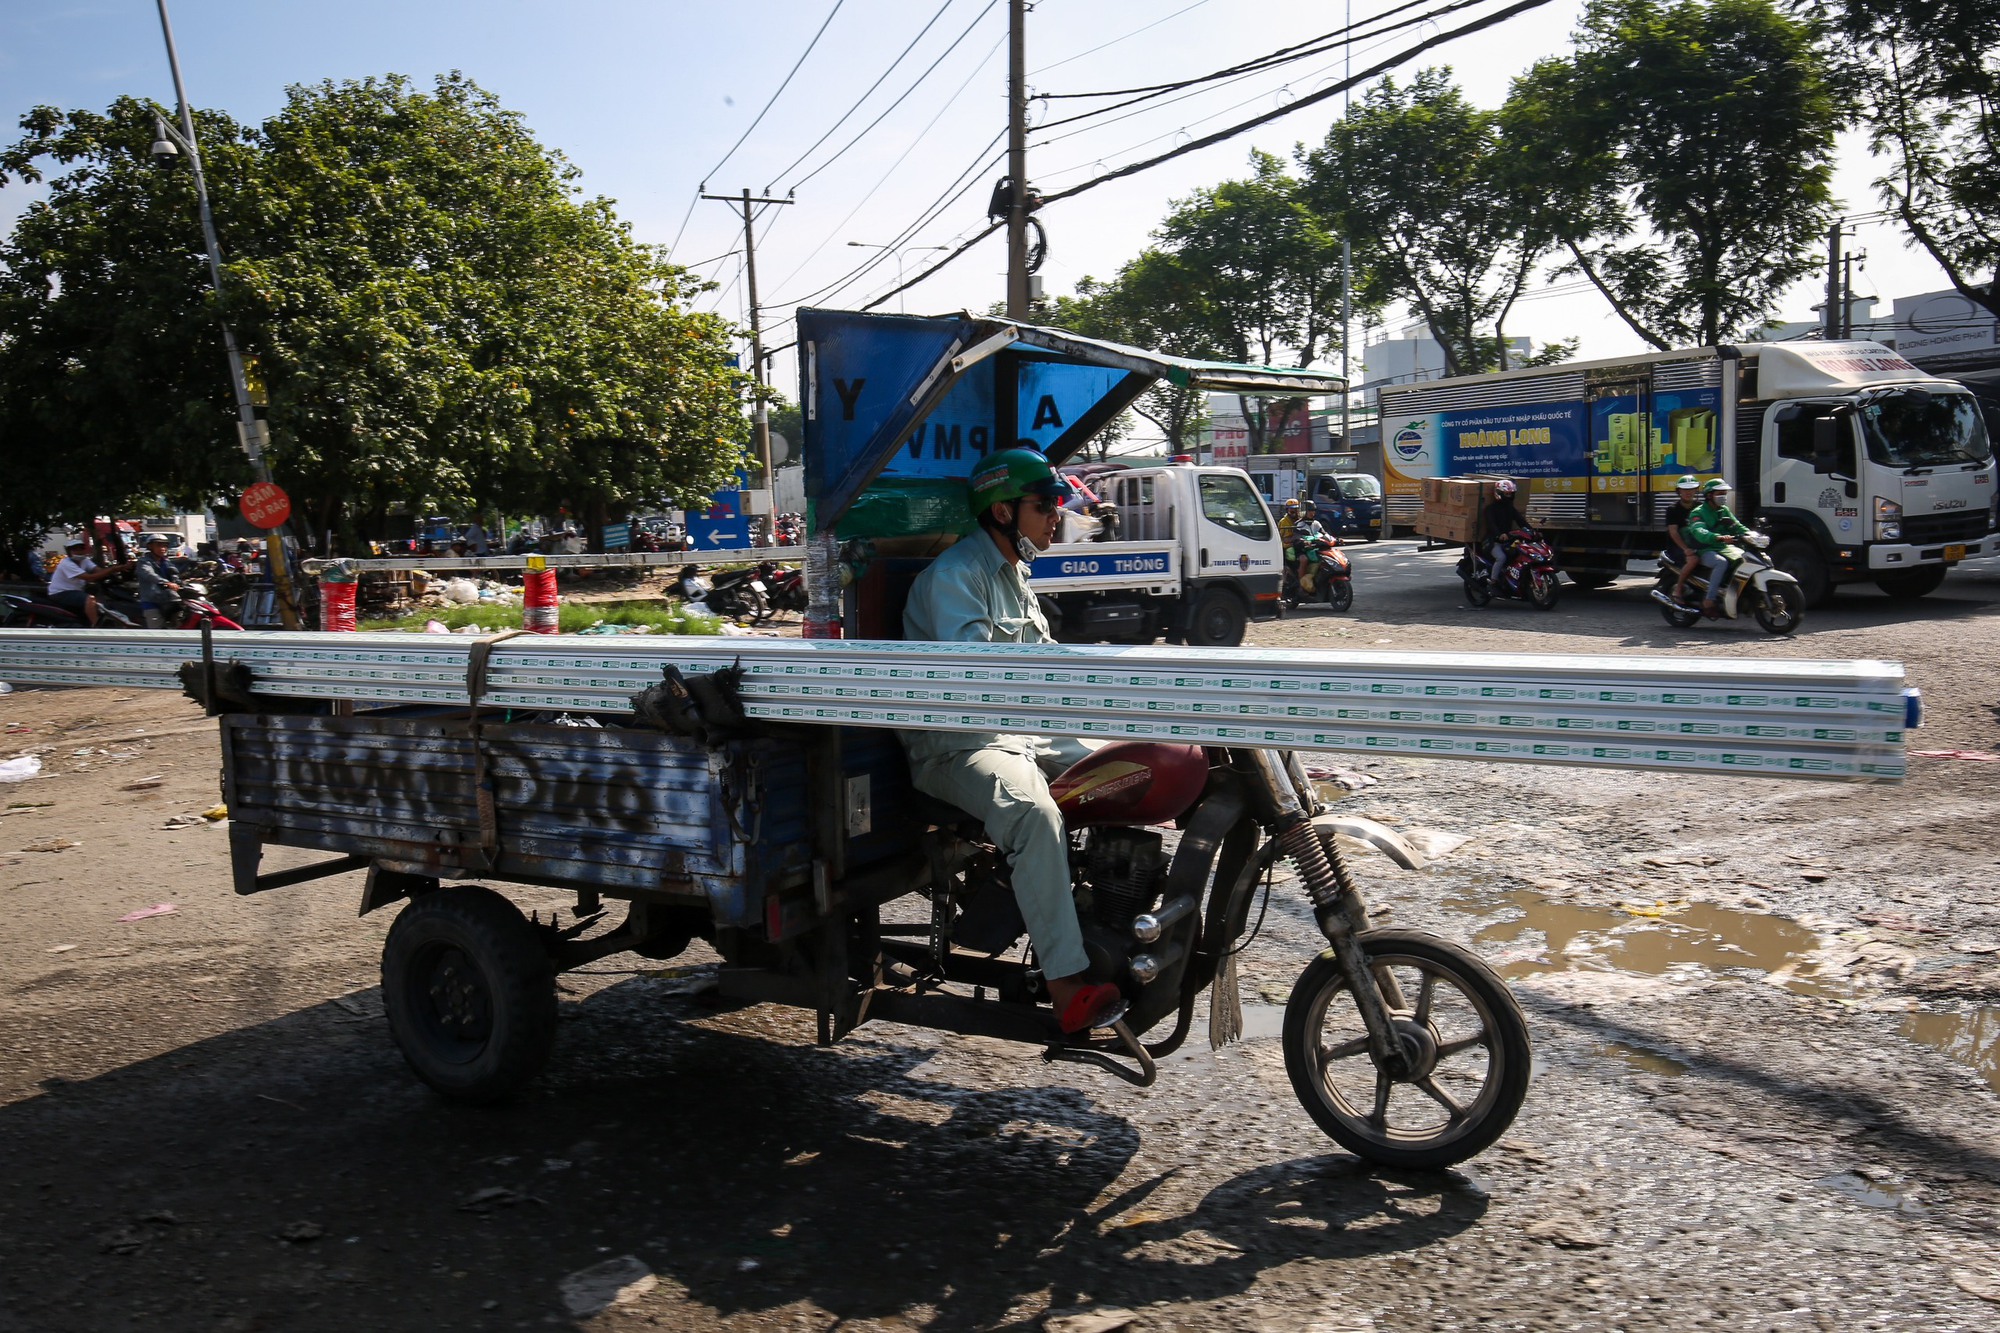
(1116,40)
(759,120)
(1408,53)
(906,92)
(870,193)
(1235,74)
(879,80)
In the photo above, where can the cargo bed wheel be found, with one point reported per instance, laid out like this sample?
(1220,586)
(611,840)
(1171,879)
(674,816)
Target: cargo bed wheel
(470,995)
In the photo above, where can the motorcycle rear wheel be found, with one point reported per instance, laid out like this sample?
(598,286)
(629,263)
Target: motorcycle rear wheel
(1460,1029)
(1478,589)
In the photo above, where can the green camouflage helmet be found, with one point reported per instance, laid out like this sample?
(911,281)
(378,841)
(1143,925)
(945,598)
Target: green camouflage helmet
(1011,474)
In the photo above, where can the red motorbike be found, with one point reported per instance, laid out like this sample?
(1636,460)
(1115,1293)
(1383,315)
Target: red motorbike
(1529,574)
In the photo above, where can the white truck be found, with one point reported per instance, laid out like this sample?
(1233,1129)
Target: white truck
(1198,557)
(1861,466)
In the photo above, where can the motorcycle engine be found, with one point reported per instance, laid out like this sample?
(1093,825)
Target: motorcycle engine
(1121,875)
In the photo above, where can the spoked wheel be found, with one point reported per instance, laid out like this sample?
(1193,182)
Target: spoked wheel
(1781,608)
(1465,1048)
(1543,590)
(469,993)
(1340,594)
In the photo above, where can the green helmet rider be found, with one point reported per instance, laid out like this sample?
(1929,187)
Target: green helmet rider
(1011,474)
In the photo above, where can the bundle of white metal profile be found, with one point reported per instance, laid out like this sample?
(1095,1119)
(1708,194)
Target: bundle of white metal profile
(1838,720)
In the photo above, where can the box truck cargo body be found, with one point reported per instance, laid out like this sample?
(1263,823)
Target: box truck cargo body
(1861,466)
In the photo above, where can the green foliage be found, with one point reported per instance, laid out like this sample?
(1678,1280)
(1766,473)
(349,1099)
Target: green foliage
(1418,178)
(437,318)
(1685,151)
(1925,78)
(572,618)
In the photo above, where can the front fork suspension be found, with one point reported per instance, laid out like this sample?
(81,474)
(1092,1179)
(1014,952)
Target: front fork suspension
(1338,908)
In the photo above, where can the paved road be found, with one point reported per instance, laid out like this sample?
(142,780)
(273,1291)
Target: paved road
(1766,1051)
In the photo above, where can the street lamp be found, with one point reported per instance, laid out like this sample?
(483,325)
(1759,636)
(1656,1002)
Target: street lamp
(902,304)
(169,143)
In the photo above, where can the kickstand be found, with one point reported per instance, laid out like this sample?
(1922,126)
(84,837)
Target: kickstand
(1142,1077)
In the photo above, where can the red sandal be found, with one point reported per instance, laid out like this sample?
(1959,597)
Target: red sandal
(1091,1007)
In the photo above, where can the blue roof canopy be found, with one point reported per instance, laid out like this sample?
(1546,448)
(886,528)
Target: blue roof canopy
(914,402)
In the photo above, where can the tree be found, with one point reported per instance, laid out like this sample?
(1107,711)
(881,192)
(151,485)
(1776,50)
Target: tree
(1416,177)
(1252,272)
(437,318)
(1926,81)
(1685,148)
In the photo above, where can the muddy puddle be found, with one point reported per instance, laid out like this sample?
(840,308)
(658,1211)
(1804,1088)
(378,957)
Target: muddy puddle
(1641,950)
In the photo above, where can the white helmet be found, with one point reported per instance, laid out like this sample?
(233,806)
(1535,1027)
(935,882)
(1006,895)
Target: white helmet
(1503,487)
(1690,482)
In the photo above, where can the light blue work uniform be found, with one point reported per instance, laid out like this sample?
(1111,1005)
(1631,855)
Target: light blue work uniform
(974,594)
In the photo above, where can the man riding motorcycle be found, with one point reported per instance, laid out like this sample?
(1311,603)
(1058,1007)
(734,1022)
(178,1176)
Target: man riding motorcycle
(978,592)
(159,584)
(70,582)
(1301,544)
(1505,526)
(1712,527)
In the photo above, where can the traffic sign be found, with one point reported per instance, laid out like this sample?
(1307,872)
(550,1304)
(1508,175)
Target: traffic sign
(265,506)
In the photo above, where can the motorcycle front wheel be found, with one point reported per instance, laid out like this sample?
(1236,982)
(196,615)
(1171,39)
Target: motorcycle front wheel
(1781,608)
(1464,1041)
(1543,590)
(1340,594)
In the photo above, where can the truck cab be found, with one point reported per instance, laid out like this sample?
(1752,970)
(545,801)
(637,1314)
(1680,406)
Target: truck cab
(1197,558)
(1348,504)
(1892,483)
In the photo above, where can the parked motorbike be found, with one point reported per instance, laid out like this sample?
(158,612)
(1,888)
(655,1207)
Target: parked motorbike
(1530,574)
(741,593)
(1329,578)
(1404,1048)
(1754,583)
(18,612)
(196,606)
(786,587)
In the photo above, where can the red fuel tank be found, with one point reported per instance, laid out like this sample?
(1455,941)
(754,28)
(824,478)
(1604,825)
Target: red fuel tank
(1131,782)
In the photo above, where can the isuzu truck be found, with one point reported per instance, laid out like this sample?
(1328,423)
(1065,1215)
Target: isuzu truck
(1862,467)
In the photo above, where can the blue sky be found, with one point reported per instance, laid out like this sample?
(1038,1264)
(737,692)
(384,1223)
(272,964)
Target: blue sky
(647,97)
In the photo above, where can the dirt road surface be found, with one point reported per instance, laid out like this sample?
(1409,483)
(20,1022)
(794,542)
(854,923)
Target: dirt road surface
(1766,1056)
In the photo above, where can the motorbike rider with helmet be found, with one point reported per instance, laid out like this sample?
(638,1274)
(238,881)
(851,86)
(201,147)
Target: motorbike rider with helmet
(159,584)
(1504,525)
(1687,496)
(1302,543)
(978,592)
(1712,527)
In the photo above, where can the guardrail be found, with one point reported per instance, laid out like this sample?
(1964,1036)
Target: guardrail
(435,564)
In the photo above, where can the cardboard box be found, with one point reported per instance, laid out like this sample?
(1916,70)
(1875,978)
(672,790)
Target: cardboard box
(1453,507)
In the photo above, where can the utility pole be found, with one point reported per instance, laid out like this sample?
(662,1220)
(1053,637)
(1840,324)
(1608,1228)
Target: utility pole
(1830,314)
(760,417)
(1347,265)
(1017,158)
(1847,264)
(252,432)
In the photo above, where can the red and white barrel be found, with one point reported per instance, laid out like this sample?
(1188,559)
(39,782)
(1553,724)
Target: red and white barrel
(539,614)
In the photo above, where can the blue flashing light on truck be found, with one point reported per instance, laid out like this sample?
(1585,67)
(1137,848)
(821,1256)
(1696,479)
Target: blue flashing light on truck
(1861,466)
